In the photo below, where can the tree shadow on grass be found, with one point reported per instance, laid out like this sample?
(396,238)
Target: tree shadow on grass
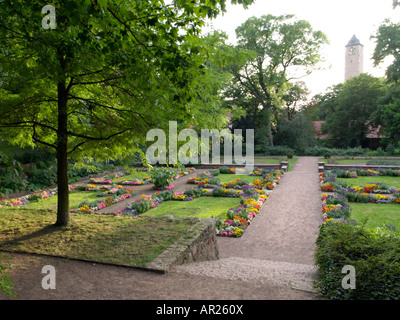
(37,234)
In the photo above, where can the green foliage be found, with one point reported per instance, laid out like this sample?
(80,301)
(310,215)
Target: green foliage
(16,176)
(280,150)
(13,179)
(374,253)
(194,192)
(296,133)
(267,47)
(162,177)
(322,151)
(164,195)
(353,108)
(103,77)
(43,174)
(224,170)
(6,285)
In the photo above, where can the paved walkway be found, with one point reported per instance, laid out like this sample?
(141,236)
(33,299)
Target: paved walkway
(279,245)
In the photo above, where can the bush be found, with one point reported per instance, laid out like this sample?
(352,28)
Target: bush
(374,253)
(13,179)
(376,153)
(277,151)
(224,170)
(162,177)
(318,151)
(165,195)
(43,174)
(193,192)
(6,285)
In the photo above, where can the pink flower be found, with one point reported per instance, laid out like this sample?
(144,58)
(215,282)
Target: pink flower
(123,198)
(102,205)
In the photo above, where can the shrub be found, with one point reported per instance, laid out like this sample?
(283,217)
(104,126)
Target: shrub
(374,253)
(165,195)
(194,192)
(224,169)
(6,285)
(43,174)
(162,177)
(278,151)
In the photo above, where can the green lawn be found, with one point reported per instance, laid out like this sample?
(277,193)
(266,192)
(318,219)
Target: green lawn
(276,160)
(389,181)
(230,177)
(75,198)
(114,239)
(203,207)
(378,215)
(137,175)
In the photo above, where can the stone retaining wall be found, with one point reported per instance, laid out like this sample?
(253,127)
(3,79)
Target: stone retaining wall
(199,243)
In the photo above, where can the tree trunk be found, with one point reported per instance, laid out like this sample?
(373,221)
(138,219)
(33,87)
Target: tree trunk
(264,132)
(63,218)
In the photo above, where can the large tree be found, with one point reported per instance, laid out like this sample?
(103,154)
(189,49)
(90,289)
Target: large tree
(272,52)
(352,107)
(387,46)
(105,75)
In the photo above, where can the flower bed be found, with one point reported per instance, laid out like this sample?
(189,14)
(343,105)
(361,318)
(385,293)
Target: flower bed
(238,219)
(356,172)
(109,179)
(36,196)
(367,248)
(370,192)
(108,197)
(269,180)
(225,170)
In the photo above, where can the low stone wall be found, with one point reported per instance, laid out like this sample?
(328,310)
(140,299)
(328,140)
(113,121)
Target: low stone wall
(198,244)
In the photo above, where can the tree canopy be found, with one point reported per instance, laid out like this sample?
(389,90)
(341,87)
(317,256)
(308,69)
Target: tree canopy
(272,52)
(107,73)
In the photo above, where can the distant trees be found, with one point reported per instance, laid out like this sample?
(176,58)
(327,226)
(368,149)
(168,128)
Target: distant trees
(351,110)
(388,45)
(272,52)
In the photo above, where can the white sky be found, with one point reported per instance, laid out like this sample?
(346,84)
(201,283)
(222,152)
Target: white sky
(338,19)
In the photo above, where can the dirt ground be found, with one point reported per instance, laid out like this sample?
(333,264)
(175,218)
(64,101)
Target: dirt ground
(278,235)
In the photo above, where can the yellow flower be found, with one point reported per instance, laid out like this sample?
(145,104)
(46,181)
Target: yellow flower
(250,202)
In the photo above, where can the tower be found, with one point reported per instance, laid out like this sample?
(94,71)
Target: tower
(354,58)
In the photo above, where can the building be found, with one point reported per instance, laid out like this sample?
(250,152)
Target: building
(354,58)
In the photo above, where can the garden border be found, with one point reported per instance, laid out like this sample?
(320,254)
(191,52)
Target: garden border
(198,244)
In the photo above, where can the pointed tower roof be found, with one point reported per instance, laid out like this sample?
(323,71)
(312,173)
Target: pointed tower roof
(353,42)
